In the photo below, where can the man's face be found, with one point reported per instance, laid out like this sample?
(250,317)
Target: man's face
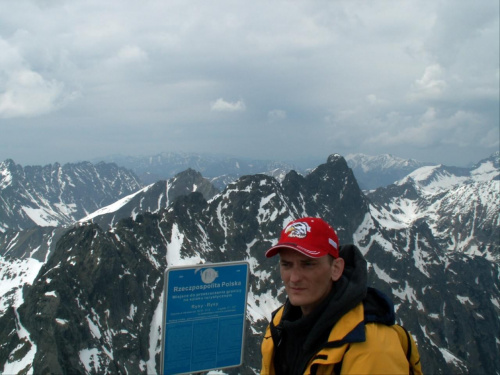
(308,280)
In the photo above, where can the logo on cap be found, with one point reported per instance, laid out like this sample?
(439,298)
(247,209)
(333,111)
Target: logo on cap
(298,230)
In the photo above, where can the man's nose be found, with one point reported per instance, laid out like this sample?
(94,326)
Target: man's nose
(295,275)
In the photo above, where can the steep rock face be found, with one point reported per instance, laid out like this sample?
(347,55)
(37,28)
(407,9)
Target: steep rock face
(96,304)
(446,221)
(190,181)
(468,218)
(34,243)
(56,195)
(93,302)
(439,297)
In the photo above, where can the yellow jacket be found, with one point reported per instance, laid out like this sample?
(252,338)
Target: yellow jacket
(382,350)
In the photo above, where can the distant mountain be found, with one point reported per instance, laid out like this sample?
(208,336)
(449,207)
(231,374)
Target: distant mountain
(381,170)
(461,206)
(56,194)
(370,171)
(93,303)
(220,169)
(491,163)
(439,177)
(153,198)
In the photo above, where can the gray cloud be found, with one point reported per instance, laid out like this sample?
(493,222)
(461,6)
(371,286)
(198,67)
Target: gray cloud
(25,92)
(415,78)
(276,115)
(222,105)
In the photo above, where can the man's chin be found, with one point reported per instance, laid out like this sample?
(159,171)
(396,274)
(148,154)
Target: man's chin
(294,301)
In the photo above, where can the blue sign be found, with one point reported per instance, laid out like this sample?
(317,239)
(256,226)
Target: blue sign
(204,317)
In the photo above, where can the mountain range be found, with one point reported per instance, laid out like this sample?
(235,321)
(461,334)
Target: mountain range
(220,169)
(370,171)
(86,296)
(55,195)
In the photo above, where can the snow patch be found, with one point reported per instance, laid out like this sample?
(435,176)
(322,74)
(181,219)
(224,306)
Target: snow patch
(133,310)
(41,217)
(155,335)
(14,274)
(485,172)
(261,306)
(114,206)
(383,275)
(449,357)
(94,329)
(23,364)
(90,360)
(174,250)
(464,300)
(409,294)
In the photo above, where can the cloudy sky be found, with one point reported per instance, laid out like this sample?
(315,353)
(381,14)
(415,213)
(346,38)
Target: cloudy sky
(276,79)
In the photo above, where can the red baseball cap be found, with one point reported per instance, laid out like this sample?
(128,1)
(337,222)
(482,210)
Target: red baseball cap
(311,236)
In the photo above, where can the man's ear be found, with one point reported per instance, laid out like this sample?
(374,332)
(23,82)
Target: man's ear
(337,268)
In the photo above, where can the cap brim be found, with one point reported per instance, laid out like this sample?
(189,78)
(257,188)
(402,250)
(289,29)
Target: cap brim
(307,252)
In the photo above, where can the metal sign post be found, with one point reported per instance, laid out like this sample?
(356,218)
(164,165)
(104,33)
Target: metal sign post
(204,317)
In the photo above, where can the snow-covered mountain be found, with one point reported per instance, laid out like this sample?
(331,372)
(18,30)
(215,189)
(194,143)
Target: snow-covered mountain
(380,170)
(96,303)
(460,205)
(440,177)
(370,171)
(56,194)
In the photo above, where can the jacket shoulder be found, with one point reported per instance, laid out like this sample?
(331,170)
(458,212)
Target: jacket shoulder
(410,348)
(380,353)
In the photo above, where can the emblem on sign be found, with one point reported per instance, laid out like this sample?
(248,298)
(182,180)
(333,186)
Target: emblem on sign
(209,275)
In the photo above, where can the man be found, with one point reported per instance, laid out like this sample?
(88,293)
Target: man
(331,323)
